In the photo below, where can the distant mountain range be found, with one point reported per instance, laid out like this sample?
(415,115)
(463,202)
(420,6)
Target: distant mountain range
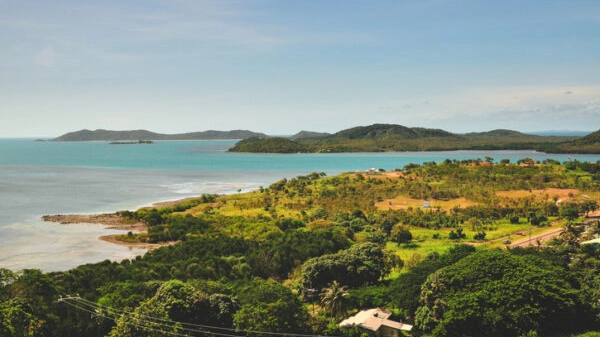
(391,137)
(134,135)
(372,138)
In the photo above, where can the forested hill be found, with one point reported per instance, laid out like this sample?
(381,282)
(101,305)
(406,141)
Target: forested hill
(587,144)
(390,131)
(391,137)
(108,135)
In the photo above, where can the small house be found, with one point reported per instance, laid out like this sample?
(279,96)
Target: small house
(376,320)
(592,242)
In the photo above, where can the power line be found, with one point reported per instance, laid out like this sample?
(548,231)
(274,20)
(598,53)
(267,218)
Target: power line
(131,322)
(152,323)
(155,320)
(97,310)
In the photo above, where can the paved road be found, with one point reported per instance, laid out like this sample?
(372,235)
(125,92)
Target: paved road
(542,237)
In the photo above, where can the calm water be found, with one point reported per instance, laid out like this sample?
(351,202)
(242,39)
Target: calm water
(38,178)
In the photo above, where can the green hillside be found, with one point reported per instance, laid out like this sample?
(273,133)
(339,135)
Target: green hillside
(390,131)
(390,137)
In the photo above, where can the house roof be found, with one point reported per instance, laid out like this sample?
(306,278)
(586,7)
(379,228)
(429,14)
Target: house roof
(591,241)
(373,319)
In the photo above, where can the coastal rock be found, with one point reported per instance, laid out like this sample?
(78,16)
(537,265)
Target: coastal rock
(111,220)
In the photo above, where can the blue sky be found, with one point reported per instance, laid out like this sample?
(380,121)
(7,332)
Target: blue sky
(284,66)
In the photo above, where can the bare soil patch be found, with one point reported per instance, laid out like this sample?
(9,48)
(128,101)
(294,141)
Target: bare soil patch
(403,202)
(549,193)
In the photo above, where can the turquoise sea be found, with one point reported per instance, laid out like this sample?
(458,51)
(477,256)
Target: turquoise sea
(38,178)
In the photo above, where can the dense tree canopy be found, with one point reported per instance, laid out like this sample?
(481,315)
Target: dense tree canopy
(502,294)
(358,265)
(174,302)
(271,307)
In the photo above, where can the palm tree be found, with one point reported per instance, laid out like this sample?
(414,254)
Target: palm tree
(332,298)
(570,234)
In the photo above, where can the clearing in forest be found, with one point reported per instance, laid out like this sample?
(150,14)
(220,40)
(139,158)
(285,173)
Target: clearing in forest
(544,194)
(404,202)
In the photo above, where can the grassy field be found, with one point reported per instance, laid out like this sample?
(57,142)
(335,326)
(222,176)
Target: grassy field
(425,241)
(322,202)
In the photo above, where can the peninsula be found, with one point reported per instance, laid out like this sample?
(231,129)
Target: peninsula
(395,138)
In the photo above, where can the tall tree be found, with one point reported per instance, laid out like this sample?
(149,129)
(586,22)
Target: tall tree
(332,298)
(269,307)
(360,264)
(401,234)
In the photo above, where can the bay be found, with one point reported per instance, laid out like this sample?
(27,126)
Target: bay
(38,178)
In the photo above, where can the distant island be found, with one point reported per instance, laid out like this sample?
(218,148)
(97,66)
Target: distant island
(372,138)
(136,135)
(127,142)
(398,138)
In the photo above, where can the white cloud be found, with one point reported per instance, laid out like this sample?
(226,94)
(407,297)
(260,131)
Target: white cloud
(538,108)
(518,108)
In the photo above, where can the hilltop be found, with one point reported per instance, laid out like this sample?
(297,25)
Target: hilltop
(391,137)
(109,135)
(309,134)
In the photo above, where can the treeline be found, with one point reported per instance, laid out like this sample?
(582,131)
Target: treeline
(298,256)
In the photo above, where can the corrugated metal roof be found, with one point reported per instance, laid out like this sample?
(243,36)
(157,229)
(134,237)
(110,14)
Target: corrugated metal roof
(373,319)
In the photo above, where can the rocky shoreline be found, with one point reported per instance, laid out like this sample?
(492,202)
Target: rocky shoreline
(111,221)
